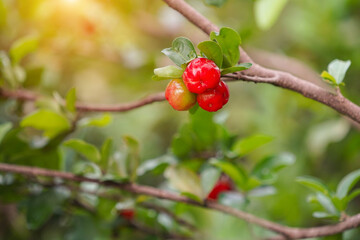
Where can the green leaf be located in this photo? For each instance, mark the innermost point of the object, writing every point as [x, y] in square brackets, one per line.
[269, 166]
[19, 73]
[347, 183]
[40, 208]
[212, 51]
[209, 176]
[155, 164]
[323, 215]
[168, 72]
[87, 150]
[22, 47]
[4, 129]
[184, 180]
[6, 70]
[246, 145]
[267, 12]
[192, 197]
[339, 236]
[50, 122]
[97, 121]
[314, 184]
[133, 157]
[106, 153]
[181, 52]
[229, 41]
[325, 75]
[71, 100]
[216, 3]
[236, 68]
[352, 195]
[338, 68]
[326, 203]
[237, 174]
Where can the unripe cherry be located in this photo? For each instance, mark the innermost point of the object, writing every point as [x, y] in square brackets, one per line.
[178, 96]
[201, 74]
[214, 99]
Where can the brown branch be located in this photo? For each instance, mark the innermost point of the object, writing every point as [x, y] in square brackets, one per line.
[286, 232]
[259, 74]
[27, 95]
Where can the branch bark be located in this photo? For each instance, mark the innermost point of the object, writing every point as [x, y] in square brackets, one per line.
[259, 74]
[284, 231]
[27, 95]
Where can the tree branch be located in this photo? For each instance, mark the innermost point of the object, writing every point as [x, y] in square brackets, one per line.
[259, 74]
[27, 95]
[284, 231]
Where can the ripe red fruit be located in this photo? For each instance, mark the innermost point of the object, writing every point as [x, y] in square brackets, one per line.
[220, 186]
[127, 214]
[200, 75]
[214, 99]
[179, 97]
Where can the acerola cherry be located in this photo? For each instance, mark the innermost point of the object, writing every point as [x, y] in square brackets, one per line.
[200, 75]
[127, 214]
[179, 97]
[220, 186]
[214, 99]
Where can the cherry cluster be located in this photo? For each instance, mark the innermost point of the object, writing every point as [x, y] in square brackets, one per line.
[200, 83]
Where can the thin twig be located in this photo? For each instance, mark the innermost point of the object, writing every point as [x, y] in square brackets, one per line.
[26, 95]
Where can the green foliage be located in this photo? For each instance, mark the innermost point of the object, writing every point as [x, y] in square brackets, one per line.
[216, 3]
[50, 122]
[336, 72]
[168, 72]
[209, 177]
[246, 145]
[185, 181]
[181, 52]
[229, 41]
[133, 157]
[266, 170]
[332, 203]
[267, 12]
[314, 184]
[106, 151]
[236, 173]
[41, 207]
[212, 51]
[97, 121]
[7, 72]
[87, 150]
[4, 129]
[236, 68]
[347, 183]
[22, 47]
[71, 100]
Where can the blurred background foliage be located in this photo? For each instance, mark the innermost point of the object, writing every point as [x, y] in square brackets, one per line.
[107, 51]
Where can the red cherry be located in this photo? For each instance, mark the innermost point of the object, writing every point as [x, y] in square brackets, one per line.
[220, 186]
[179, 97]
[200, 75]
[127, 214]
[214, 99]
